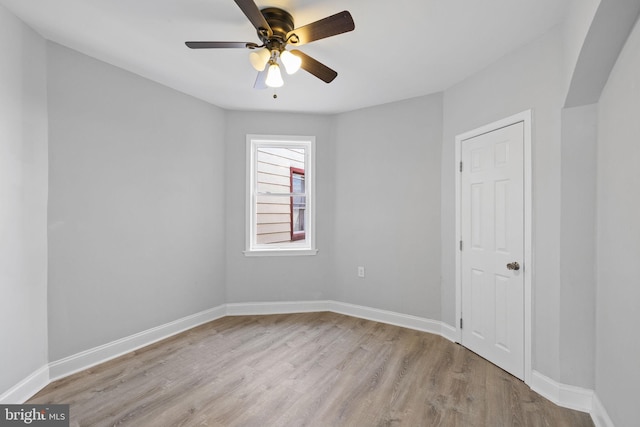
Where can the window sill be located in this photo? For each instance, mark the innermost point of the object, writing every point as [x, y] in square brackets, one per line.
[280, 252]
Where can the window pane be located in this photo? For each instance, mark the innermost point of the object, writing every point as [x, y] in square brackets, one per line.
[274, 168]
[279, 220]
[273, 216]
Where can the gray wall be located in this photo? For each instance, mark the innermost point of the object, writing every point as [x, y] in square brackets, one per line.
[23, 202]
[360, 214]
[600, 47]
[273, 278]
[387, 206]
[576, 27]
[530, 78]
[578, 246]
[618, 289]
[136, 216]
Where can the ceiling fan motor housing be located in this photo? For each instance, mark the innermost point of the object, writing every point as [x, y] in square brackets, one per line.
[281, 23]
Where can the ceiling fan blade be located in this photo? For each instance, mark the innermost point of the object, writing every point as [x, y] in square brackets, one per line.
[330, 26]
[315, 67]
[254, 15]
[261, 79]
[220, 45]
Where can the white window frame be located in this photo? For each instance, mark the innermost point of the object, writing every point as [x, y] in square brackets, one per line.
[303, 247]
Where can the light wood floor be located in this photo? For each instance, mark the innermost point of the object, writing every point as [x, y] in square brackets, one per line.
[315, 369]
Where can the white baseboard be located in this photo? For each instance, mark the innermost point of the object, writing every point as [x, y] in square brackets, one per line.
[390, 317]
[561, 394]
[599, 414]
[91, 357]
[375, 314]
[572, 397]
[449, 332]
[26, 388]
[568, 396]
[85, 359]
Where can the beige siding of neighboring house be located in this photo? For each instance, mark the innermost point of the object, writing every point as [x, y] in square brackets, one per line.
[274, 176]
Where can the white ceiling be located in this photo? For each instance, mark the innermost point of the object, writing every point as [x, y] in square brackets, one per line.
[399, 49]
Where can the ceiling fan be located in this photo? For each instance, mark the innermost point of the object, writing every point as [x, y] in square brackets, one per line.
[276, 31]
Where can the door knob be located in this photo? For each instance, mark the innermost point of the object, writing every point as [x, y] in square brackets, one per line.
[513, 266]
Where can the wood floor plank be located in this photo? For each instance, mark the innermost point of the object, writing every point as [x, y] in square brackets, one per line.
[309, 369]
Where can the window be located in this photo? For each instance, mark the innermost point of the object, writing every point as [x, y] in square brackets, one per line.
[280, 196]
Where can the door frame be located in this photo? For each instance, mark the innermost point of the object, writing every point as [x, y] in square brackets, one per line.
[526, 118]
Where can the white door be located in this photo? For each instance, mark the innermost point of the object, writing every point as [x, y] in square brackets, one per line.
[492, 255]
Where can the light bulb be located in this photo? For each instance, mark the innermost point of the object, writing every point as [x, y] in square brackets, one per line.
[274, 78]
[260, 58]
[291, 62]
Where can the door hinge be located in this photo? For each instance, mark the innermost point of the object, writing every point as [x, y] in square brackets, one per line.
[460, 244]
[461, 323]
[460, 166]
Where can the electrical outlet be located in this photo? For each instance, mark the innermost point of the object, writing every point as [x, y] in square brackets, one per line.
[360, 271]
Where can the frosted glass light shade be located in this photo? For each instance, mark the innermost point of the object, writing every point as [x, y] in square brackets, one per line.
[274, 77]
[260, 58]
[290, 61]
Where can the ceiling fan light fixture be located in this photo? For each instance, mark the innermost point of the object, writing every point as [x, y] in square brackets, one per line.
[275, 29]
[260, 58]
[274, 77]
[290, 61]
